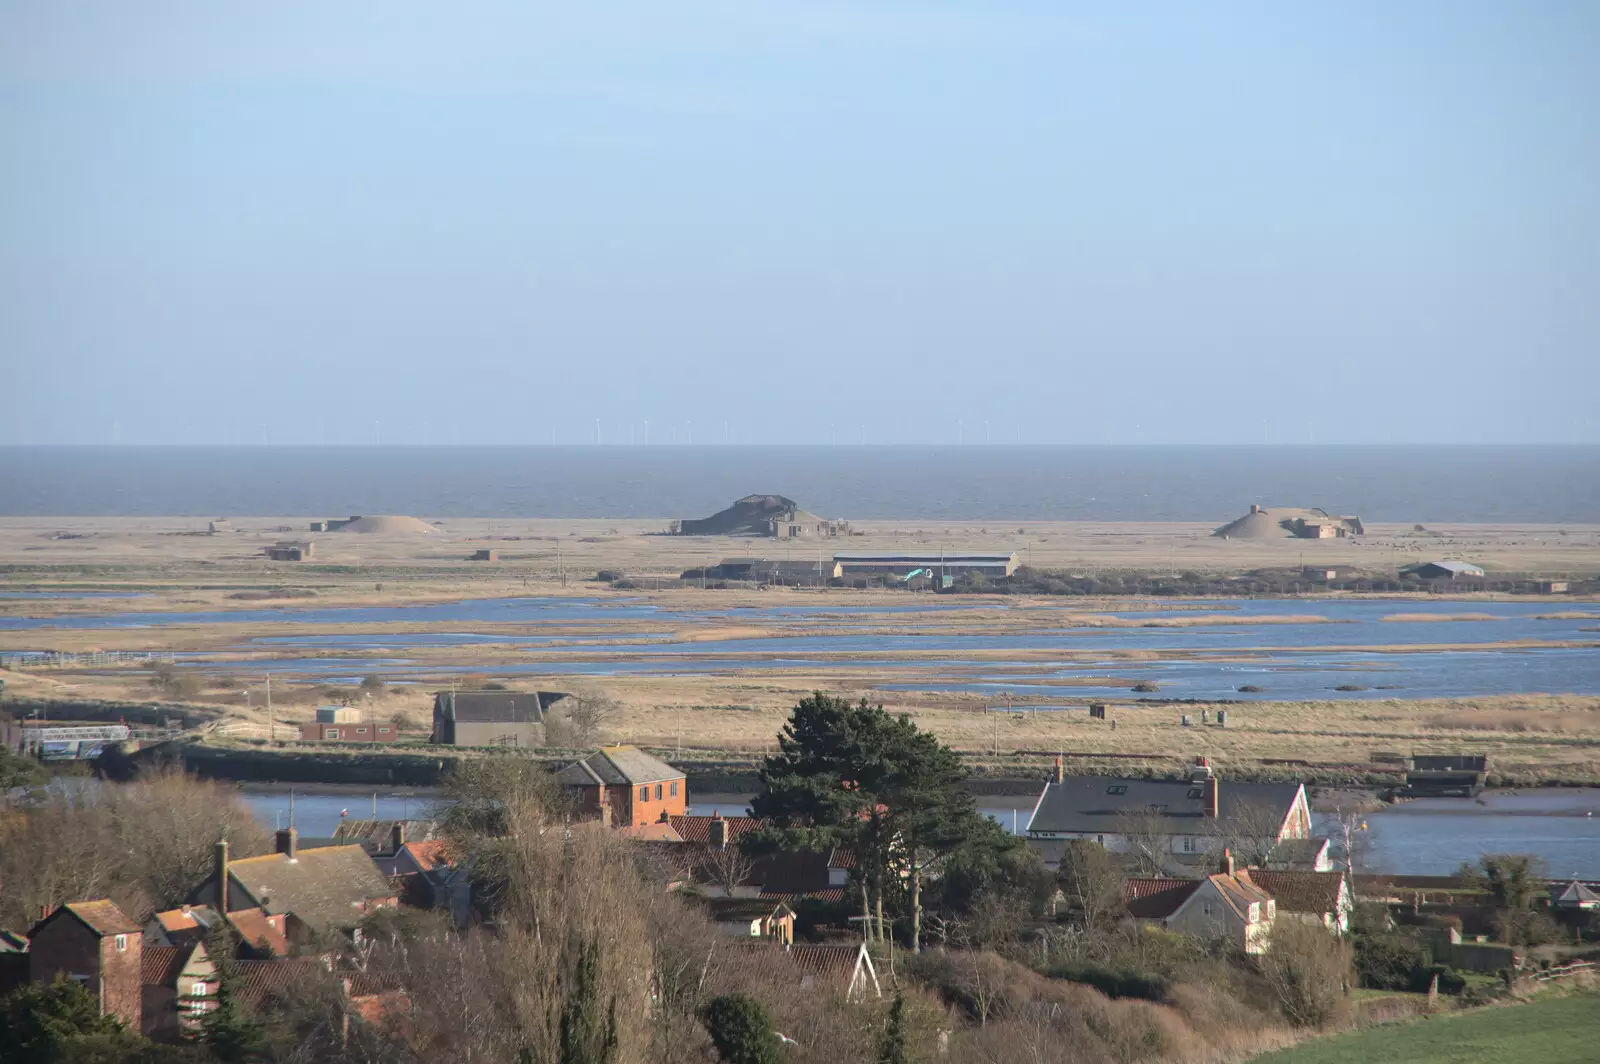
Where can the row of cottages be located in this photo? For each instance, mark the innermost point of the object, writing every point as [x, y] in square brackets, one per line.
[1192, 819]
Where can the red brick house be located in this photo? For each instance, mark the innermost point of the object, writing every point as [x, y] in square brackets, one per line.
[95, 944]
[626, 786]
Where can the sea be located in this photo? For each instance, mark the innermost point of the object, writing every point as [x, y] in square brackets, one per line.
[1535, 484]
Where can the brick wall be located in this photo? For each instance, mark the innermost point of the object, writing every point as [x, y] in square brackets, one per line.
[66, 947]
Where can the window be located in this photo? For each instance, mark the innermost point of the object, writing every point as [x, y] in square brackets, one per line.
[122, 943]
[200, 989]
[644, 794]
[1188, 844]
[658, 792]
[1117, 788]
[1101, 839]
[332, 733]
[674, 791]
[1255, 912]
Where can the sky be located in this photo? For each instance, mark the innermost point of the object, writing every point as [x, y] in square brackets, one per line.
[749, 221]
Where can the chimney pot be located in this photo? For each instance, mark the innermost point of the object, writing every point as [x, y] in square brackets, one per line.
[220, 870]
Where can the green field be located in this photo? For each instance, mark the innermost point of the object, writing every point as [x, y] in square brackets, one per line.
[1553, 1031]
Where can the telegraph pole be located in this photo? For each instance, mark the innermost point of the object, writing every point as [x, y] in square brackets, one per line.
[272, 725]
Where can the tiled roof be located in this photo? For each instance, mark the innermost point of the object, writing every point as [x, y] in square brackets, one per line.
[618, 766]
[1239, 892]
[1300, 851]
[186, 918]
[829, 964]
[324, 888]
[160, 965]
[259, 931]
[257, 981]
[698, 828]
[1156, 898]
[430, 855]
[1300, 892]
[824, 894]
[102, 917]
[1096, 804]
[658, 832]
[367, 984]
[376, 835]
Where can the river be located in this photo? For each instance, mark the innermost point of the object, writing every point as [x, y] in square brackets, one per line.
[1428, 836]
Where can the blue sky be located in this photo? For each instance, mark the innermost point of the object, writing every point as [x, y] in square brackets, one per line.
[796, 222]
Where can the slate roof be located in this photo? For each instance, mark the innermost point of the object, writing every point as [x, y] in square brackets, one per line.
[1301, 892]
[160, 965]
[1095, 804]
[495, 707]
[1577, 893]
[102, 917]
[1156, 897]
[324, 888]
[698, 828]
[618, 766]
[828, 964]
[375, 835]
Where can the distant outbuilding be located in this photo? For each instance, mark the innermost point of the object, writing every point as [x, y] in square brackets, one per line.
[1443, 571]
[763, 515]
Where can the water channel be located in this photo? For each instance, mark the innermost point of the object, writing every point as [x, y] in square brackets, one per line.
[1429, 836]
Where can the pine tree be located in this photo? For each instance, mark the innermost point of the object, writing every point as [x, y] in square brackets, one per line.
[892, 1046]
[741, 1030]
[588, 1026]
[231, 1036]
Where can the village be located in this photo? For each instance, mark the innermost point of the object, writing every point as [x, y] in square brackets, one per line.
[860, 878]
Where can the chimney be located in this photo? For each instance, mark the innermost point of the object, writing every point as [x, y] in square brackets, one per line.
[220, 869]
[718, 834]
[1061, 771]
[1211, 797]
[288, 843]
[1227, 861]
[397, 836]
[1254, 508]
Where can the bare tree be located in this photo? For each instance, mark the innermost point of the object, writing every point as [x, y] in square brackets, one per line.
[1350, 841]
[728, 867]
[1091, 885]
[1251, 834]
[1307, 969]
[585, 713]
[1148, 841]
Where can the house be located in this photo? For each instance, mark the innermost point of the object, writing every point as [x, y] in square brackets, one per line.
[1576, 895]
[320, 891]
[1317, 897]
[344, 724]
[484, 554]
[939, 564]
[261, 935]
[626, 786]
[290, 551]
[180, 985]
[1226, 904]
[1185, 818]
[95, 944]
[491, 718]
[1442, 571]
[752, 918]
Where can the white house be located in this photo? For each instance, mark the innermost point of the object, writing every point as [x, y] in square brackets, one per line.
[1226, 904]
[1317, 897]
[1188, 817]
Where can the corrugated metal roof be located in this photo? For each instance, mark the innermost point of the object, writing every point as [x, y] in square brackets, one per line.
[922, 557]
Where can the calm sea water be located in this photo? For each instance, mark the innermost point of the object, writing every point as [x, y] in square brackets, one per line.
[1537, 484]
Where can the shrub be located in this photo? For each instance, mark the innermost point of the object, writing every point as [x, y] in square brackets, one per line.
[1307, 969]
[1146, 687]
[1145, 986]
[1390, 961]
[741, 1030]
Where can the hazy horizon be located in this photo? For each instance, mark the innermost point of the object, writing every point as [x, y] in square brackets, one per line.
[908, 222]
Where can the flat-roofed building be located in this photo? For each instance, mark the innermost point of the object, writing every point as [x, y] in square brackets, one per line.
[939, 563]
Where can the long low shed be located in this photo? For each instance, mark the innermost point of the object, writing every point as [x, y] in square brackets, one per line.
[949, 563]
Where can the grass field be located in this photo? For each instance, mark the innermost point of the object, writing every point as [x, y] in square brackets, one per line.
[1564, 1030]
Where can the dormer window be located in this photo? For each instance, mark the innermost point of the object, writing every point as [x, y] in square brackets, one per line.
[1117, 788]
[1255, 912]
